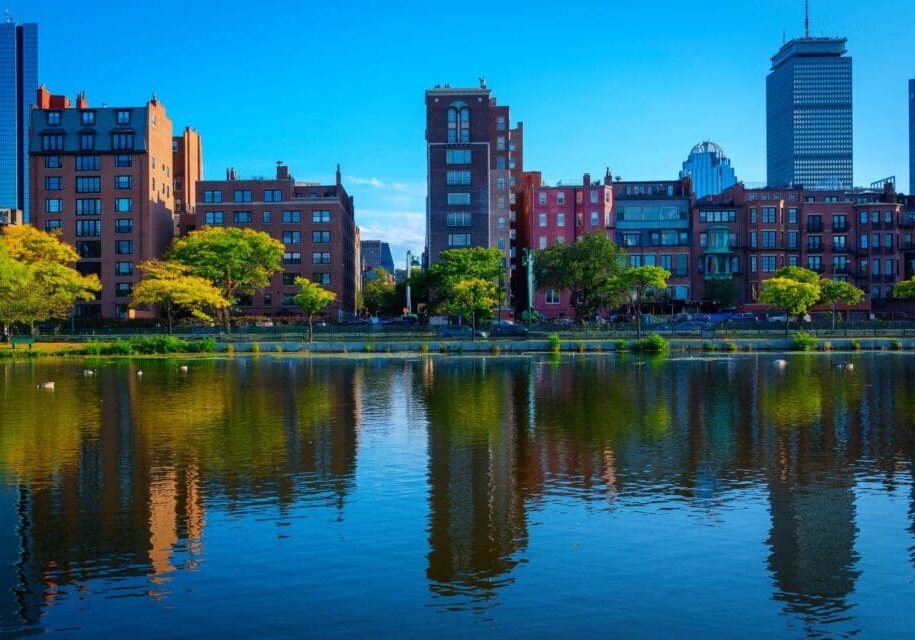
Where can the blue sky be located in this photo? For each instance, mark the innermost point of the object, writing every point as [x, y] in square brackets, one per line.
[627, 84]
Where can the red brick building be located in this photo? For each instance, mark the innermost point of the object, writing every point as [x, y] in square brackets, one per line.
[103, 176]
[315, 222]
[188, 160]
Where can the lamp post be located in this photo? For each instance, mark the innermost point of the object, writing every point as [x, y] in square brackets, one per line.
[406, 279]
[529, 262]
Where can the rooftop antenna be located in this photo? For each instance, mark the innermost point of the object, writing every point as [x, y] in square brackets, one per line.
[807, 19]
[9, 17]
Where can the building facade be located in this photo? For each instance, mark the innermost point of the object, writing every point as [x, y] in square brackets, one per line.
[315, 223]
[473, 156]
[18, 87]
[912, 137]
[809, 115]
[103, 177]
[376, 253]
[187, 152]
[709, 169]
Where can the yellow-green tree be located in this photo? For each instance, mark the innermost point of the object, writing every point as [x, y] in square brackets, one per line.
[38, 284]
[640, 282]
[312, 298]
[834, 293]
[377, 291]
[792, 296]
[237, 261]
[473, 297]
[905, 288]
[170, 286]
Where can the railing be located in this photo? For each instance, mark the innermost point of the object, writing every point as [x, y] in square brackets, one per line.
[840, 228]
[815, 249]
[814, 227]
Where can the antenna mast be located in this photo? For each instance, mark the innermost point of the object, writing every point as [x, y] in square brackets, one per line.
[807, 18]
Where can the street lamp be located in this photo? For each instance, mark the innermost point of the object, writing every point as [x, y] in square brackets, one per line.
[406, 279]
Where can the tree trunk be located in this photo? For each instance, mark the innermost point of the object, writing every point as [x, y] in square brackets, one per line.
[638, 320]
[310, 328]
[473, 326]
[787, 318]
[168, 316]
[833, 318]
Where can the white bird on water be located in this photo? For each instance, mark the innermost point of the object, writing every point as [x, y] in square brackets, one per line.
[140, 372]
[182, 368]
[45, 385]
[781, 363]
[88, 373]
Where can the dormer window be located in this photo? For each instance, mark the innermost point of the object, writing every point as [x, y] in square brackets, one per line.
[122, 116]
[53, 118]
[87, 117]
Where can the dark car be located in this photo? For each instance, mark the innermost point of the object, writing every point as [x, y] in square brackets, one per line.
[743, 318]
[460, 331]
[693, 327]
[508, 331]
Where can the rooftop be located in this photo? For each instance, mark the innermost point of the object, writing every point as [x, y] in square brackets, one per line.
[810, 48]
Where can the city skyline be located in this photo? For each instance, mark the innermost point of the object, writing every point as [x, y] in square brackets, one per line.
[370, 113]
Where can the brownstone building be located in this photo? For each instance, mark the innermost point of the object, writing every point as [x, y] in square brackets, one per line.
[187, 152]
[315, 222]
[103, 176]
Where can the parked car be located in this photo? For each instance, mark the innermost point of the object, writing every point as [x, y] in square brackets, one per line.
[743, 318]
[503, 330]
[693, 326]
[460, 331]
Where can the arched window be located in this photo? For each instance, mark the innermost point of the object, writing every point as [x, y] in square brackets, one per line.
[458, 122]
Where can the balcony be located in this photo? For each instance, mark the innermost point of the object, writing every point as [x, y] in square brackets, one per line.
[814, 227]
[817, 269]
[840, 248]
[839, 270]
[840, 228]
[817, 248]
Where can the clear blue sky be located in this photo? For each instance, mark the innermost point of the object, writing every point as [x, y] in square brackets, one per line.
[627, 84]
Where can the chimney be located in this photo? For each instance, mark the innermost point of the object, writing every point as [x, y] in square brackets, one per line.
[339, 177]
[282, 171]
[43, 98]
[608, 177]
[81, 102]
[586, 180]
[231, 174]
[889, 191]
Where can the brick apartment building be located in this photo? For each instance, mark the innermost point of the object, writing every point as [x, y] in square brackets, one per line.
[315, 222]
[103, 176]
[474, 160]
[187, 152]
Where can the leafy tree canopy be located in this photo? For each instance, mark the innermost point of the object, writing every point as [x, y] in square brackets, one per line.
[312, 298]
[171, 286]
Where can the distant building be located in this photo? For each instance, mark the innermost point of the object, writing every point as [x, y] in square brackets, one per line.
[10, 216]
[709, 169]
[18, 84]
[911, 137]
[809, 115]
[188, 159]
[376, 253]
[103, 176]
[315, 222]
[474, 160]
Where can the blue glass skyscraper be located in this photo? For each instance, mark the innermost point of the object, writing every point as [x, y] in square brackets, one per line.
[911, 137]
[709, 169]
[809, 115]
[18, 86]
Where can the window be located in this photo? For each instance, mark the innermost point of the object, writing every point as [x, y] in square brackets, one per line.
[814, 243]
[768, 239]
[560, 219]
[266, 217]
[321, 278]
[213, 217]
[753, 268]
[875, 216]
[458, 219]
[875, 265]
[88, 163]
[52, 142]
[51, 225]
[458, 239]
[320, 257]
[595, 219]
[242, 217]
[862, 241]
[768, 215]
[241, 195]
[88, 184]
[292, 257]
[753, 242]
[542, 242]
[123, 268]
[292, 217]
[289, 278]
[752, 215]
[123, 182]
[123, 289]
[320, 216]
[458, 123]
[887, 267]
[122, 141]
[123, 205]
[792, 239]
[840, 242]
[541, 197]
[551, 296]
[52, 162]
[53, 118]
[53, 205]
[88, 228]
[500, 183]
[815, 263]
[863, 217]
[839, 223]
[888, 217]
[500, 223]
[635, 261]
[500, 123]
[632, 239]
[594, 196]
[792, 261]
[212, 196]
[792, 216]
[123, 225]
[123, 247]
[122, 116]
[458, 156]
[88, 249]
[272, 195]
[123, 160]
[86, 141]
[88, 206]
[458, 198]
[888, 241]
[457, 177]
[53, 183]
[320, 237]
[875, 240]
[292, 237]
[500, 162]
[768, 264]
[500, 143]
[561, 198]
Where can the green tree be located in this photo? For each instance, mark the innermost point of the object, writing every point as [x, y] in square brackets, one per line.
[456, 265]
[640, 282]
[792, 296]
[377, 291]
[474, 297]
[312, 298]
[905, 288]
[237, 261]
[170, 286]
[798, 274]
[834, 292]
[587, 268]
[38, 283]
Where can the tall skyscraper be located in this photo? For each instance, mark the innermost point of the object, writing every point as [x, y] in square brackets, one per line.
[911, 137]
[474, 161]
[18, 85]
[709, 168]
[809, 115]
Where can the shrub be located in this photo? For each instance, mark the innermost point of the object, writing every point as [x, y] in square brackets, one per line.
[368, 347]
[157, 344]
[896, 345]
[803, 341]
[495, 349]
[826, 346]
[424, 347]
[729, 346]
[582, 347]
[204, 345]
[255, 347]
[855, 345]
[118, 348]
[708, 346]
[230, 348]
[652, 344]
[278, 349]
[555, 342]
[93, 348]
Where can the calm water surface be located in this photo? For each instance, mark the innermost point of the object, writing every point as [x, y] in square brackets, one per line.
[506, 497]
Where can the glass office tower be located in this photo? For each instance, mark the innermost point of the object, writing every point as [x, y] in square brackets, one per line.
[911, 137]
[18, 86]
[709, 168]
[809, 115]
